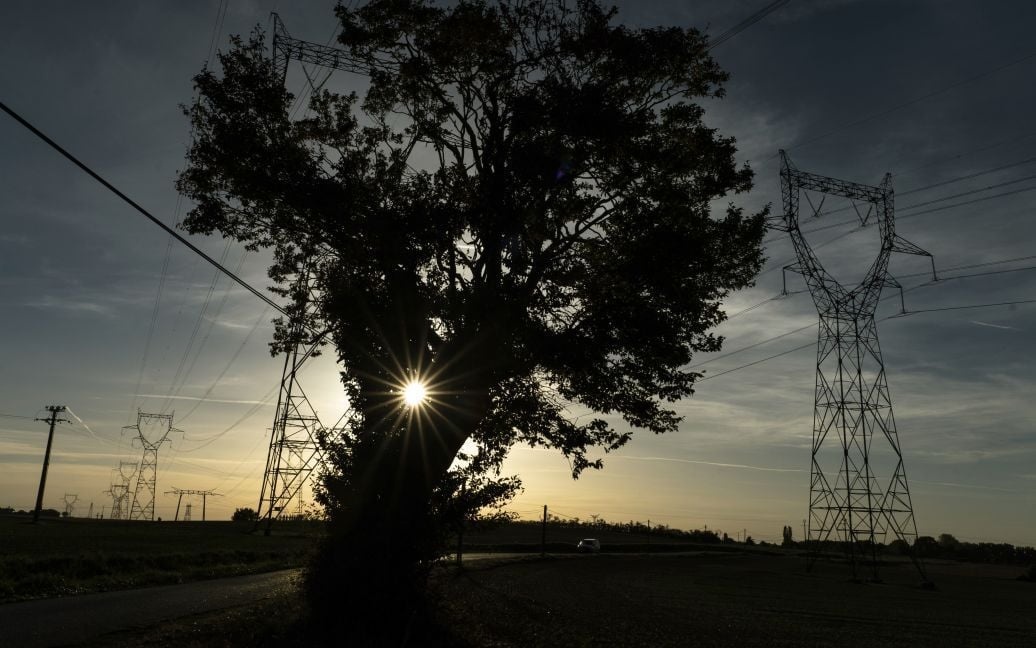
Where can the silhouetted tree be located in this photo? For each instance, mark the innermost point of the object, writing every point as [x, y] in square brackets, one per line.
[518, 213]
[948, 543]
[244, 515]
[926, 547]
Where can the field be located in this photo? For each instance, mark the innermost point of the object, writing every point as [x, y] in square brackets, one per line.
[637, 593]
[69, 556]
[701, 599]
[714, 599]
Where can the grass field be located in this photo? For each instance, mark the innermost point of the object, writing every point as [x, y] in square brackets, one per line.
[68, 556]
[704, 600]
[62, 556]
[723, 599]
[710, 595]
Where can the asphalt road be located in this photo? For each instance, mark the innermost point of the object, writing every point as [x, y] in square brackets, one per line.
[74, 619]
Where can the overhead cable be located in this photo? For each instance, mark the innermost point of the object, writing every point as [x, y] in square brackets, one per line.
[93, 174]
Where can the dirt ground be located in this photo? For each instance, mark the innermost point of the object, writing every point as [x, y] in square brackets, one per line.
[736, 600]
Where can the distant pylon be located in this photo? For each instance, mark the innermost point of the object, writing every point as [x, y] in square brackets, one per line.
[158, 428]
[180, 492]
[119, 489]
[858, 484]
[70, 503]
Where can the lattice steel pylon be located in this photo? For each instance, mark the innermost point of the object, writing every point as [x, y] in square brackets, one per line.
[119, 489]
[294, 451]
[850, 497]
[285, 48]
[70, 500]
[159, 426]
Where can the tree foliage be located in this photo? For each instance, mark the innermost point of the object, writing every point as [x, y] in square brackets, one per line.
[244, 515]
[518, 211]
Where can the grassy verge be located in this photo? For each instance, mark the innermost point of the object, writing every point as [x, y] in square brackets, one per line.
[62, 557]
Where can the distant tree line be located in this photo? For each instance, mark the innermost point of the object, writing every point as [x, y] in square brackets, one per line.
[948, 547]
[945, 547]
[7, 510]
[634, 527]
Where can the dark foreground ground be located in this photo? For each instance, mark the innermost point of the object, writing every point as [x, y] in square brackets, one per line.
[705, 599]
[63, 557]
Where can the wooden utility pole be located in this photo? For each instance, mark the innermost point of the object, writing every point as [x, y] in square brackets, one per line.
[543, 533]
[53, 420]
[463, 522]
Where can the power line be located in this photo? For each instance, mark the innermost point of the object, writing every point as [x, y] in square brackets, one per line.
[93, 174]
[217, 28]
[1014, 139]
[887, 297]
[966, 307]
[970, 176]
[896, 316]
[752, 364]
[745, 24]
[753, 346]
[31, 418]
[910, 102]
[984, 264]
[226, 368]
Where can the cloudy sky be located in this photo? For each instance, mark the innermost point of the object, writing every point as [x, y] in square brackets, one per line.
[102, 313]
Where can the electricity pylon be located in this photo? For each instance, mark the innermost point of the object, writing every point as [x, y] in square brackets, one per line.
[159, 426]
[70, 503]
[119, 489]
[858, 483]
[180, 492]
[286, 48]
[295, 450]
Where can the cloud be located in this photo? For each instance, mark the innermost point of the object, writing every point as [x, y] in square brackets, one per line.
[15, 239]
[71, 305]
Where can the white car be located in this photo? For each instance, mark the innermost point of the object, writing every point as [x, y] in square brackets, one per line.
[589, 545]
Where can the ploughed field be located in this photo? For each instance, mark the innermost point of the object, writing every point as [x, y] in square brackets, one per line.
[731, 599]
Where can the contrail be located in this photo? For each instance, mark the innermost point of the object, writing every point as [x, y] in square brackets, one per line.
[996, 326]
[710, 463]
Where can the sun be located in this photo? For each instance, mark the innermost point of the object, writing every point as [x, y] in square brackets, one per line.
[414, 393]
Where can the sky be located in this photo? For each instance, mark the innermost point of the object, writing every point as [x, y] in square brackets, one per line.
[104, 314]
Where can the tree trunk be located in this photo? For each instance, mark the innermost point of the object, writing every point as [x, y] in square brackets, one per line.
[383, 532]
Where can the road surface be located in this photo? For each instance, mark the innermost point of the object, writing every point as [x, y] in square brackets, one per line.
[75, 619]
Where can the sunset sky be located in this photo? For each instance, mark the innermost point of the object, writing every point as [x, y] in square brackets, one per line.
[940, 93]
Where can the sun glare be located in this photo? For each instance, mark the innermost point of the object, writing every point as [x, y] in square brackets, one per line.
[414, 393]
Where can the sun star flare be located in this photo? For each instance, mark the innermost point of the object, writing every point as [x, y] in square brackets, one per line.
[414, 393]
